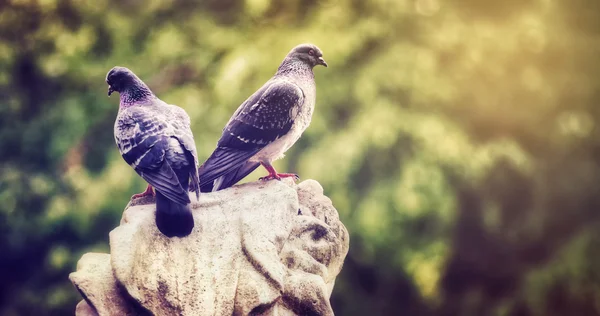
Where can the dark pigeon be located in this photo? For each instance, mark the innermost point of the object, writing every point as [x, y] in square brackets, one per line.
[267, 124]
[155, 139]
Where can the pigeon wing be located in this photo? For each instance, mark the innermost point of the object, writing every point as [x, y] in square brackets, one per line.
[143, 140]
[183, 133]
[263, 118]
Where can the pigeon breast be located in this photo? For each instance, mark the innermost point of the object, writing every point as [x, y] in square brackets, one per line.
[301, 115]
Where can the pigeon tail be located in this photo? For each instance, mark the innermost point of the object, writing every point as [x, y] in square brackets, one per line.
[173, 219]
[231, 178]
[224, 162]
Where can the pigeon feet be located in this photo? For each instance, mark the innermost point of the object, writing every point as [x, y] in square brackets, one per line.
[274, 175]
[280, 176]
[149, 191]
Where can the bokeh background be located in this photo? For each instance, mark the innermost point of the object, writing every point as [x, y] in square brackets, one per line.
[459, 140]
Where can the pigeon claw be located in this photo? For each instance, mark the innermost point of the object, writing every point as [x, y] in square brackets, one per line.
[274, 175]
[289, 175]
[270, 177]
[279, 176]
[148, 192]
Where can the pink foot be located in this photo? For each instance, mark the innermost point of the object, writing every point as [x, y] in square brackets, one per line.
[149, 191]
[274, 175]
[280, 176]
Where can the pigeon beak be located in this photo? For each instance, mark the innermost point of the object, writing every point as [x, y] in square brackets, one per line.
[110, 90]
[322, 61]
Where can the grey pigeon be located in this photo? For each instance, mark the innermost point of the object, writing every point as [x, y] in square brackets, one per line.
[267, 124]
[155, 138]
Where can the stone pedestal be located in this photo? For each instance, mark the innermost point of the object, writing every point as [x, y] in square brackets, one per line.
[262, 248]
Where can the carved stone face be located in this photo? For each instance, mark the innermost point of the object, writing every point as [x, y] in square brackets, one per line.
[259, 248]
[312, 255]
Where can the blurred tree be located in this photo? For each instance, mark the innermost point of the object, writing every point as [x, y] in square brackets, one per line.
[464, 134]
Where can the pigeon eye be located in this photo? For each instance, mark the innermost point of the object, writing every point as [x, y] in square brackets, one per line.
[311, 52]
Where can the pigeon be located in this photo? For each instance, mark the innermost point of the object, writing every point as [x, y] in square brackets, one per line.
[155, 139]
[267, 124]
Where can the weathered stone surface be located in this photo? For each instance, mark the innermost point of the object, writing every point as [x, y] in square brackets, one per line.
[262, 248]
[84, 309]
[102, 295]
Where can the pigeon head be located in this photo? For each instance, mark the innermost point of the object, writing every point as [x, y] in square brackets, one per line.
[120, 79]
[309, 54]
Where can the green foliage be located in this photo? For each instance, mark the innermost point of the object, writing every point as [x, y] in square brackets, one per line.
[458, 139]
